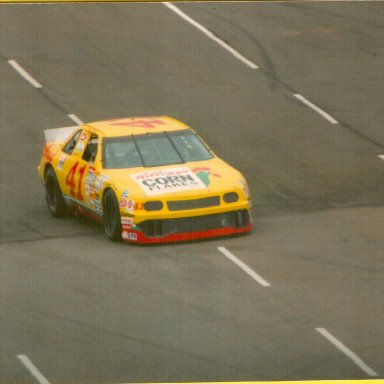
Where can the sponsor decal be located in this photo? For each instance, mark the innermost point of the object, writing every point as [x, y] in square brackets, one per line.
[124, 194]
[132, 236]
[61, 162]
[126, 214]
[129, 236]
[127, 222]
[168, 180]
[93, 185]
[91, 172]
[99, 182]
[204, 174]
[130, 206]
[83, 136]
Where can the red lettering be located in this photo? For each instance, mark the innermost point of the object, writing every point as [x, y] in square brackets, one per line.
[70, 181]
[143, 123]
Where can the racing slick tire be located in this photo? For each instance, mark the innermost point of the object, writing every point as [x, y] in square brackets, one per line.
[53, 195]
[111, 216]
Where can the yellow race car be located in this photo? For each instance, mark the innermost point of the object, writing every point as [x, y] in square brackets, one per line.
[147, 179]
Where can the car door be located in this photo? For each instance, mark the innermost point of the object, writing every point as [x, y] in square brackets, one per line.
[72, 168]
[90, 162]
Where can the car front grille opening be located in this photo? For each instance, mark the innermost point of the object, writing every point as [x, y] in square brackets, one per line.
[231, 197]
[161, 228]
[183, 205]
[155, 205]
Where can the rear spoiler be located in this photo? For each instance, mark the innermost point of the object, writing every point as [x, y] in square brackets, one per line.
[58, 135]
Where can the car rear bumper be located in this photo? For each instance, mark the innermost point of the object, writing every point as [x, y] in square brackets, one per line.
[189, 228]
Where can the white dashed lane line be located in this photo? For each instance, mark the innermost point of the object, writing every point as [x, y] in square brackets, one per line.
[338, 344]
[342, 348]
[244, 267]
[381, 157]
[316, 108]
[242, 58]
[41, 379]
[75, 119]
[22, 72]
[212, 36]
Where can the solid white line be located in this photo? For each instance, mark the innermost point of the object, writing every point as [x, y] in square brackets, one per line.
[243, 266]
[32, 369]
[381, 157]
[75, 119]
[24, 74]
[316, 108]
[338, 344]
[211, 35]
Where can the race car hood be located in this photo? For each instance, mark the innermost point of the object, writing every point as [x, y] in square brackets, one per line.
[181, 180]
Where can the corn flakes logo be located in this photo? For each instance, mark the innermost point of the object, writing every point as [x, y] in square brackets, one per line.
[205, 174]
[168, 180]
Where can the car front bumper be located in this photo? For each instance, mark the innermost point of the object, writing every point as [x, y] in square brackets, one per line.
[189, 228]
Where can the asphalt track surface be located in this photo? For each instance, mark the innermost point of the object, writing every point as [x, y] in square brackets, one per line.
[82, 309]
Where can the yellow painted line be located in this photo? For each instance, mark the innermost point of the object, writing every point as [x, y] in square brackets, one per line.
[104, 1]
[83, 1]
[88, 1]
[95, 1]
[370, 381]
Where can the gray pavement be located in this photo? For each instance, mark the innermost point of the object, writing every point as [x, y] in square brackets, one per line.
[86, 310]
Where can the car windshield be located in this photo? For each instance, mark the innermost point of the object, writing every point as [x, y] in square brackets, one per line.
[151, 150]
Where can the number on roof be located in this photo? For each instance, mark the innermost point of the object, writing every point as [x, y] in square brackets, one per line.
[140, 123]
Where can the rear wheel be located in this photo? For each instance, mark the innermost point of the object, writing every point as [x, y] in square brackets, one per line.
[111, 216]
[53, 195]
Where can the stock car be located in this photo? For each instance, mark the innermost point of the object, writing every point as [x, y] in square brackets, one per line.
[147, 179]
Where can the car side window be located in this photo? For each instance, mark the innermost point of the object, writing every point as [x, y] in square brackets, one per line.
[90, 151]
[70, 146]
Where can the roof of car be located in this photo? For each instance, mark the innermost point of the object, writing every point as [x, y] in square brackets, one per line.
[137, 125]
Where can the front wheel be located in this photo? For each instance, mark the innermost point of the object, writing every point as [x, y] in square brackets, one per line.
[53, 195]
[111, 216]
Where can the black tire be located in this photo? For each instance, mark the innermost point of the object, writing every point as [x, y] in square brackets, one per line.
[53, 195]
[111, 216]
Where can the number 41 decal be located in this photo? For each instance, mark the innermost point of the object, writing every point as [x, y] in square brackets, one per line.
[70, 181]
